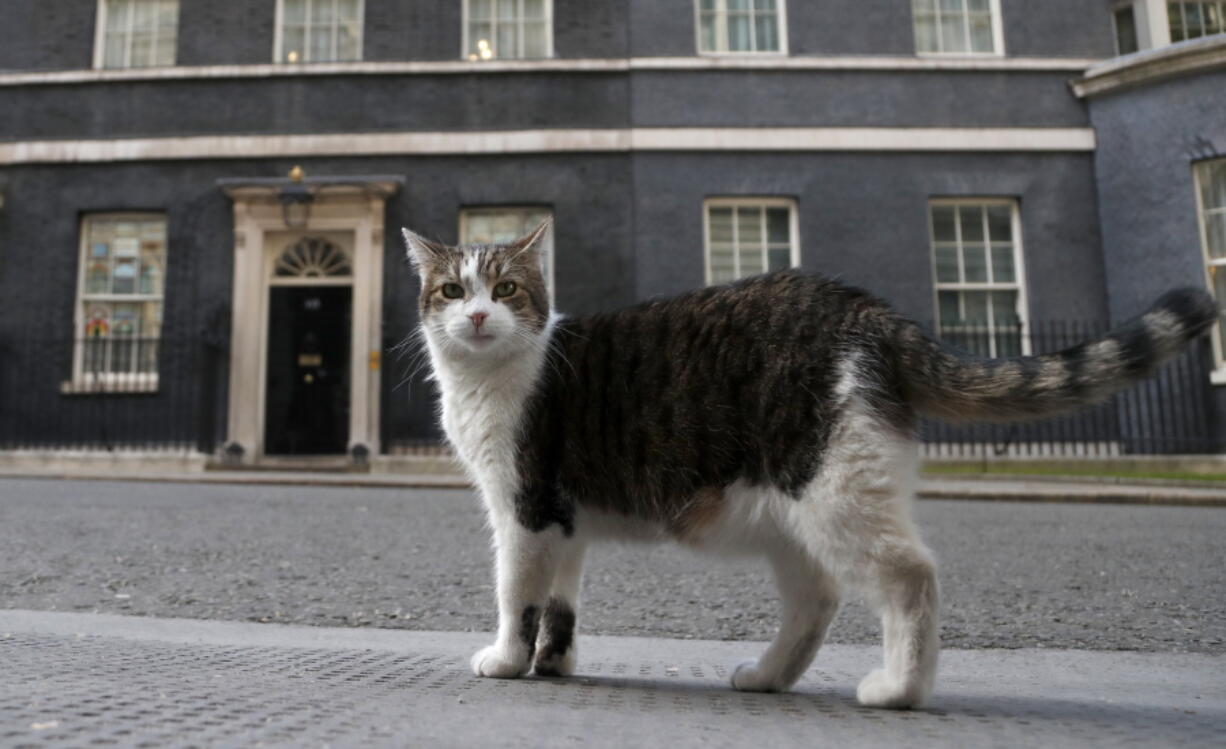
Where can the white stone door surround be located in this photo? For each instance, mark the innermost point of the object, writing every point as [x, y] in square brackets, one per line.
[353, 206]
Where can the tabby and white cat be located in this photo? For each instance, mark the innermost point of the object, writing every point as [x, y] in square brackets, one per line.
[771, 416]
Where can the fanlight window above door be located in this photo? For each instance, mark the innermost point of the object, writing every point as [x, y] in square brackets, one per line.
[313, 257]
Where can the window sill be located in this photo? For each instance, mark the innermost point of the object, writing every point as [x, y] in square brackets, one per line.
[1218, 376]
[110, 385]
[747, 53]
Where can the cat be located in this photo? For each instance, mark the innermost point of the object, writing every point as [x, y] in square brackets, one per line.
[771, 416]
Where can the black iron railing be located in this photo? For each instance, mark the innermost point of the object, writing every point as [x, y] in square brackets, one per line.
[110, 394]
[1169, 413]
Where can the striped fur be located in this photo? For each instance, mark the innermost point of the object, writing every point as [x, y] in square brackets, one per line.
[772, 416]
[943, 383]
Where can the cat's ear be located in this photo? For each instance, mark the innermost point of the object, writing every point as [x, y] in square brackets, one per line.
[422, 251]
[532, 245]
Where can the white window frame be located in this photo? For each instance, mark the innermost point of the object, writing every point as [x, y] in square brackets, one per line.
[279, 33]
[110, 382]
[519, 23]
[1218, 376]
[749, 202]
[100, 40]
[547, 244]
[1019, 285]
[998, 35]
[721, 32]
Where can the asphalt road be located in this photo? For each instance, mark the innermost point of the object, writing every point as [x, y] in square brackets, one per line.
[1013, 575]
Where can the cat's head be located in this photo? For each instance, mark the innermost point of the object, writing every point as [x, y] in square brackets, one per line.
[483, 300]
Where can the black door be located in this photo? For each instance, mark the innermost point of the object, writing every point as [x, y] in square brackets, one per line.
[308, 370]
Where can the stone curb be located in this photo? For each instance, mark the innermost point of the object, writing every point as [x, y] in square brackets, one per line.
[1046, 490]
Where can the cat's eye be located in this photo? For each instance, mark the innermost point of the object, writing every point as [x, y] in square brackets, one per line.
[506, 288]
[453, 290]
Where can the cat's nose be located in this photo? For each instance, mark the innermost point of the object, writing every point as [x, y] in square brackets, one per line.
[478, 318]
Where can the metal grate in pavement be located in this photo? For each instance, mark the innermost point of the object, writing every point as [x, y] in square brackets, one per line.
[59, 690]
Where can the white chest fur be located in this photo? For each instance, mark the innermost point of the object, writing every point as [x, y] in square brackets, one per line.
[483, 406]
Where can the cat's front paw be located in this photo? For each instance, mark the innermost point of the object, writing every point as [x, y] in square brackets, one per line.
[749, 678]
[496, 663]
[879, 689]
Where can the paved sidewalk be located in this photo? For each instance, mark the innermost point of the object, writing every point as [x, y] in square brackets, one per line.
[78, 679]
[1039, 489]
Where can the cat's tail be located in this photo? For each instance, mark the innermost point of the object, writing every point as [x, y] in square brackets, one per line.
[941, 382]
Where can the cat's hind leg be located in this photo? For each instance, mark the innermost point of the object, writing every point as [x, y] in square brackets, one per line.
[555, 644]
[810, 601]
[857, 518]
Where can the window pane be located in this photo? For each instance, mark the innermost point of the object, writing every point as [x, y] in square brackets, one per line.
[739, 33]
[767, 36]
[534, 8]
[507, 44]
[948, 308]
[168, 15]
[981, 33]
[98, 275]
[739, 5]
[720, 225]
[1002, 264]
[764, 4]
[320, 44]
[947, 263]
[1219, 290]
[975, 307]
[779, 258]
[707, 5]
[979, 6]
[480, 38]
[123, 279]
[144, 16]
[1193, 26]
[347, 43]
[1213, 184]
[943, 224]
[1215, 234]
[974, 263]
[293, 12]
[293, 44]
[506, 10]
[323, 12]
[922, 6]
[1004, 307]
[1175, 15]
[926, 33]
[114, 53]
[749, 227]
[1000, 223]
[953, 34]
[536, 39]
[347, 10]
[972, 223]
[723, 267]
[117, 15]
[951, 7]
[778, 227]
[706, 36]
[751, 260]
[164, 52]
[1125, 31]
[142, 49]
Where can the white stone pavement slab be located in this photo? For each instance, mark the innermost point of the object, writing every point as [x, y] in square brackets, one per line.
[91, 679]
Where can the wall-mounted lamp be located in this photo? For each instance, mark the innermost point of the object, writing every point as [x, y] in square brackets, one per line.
[296, 199]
